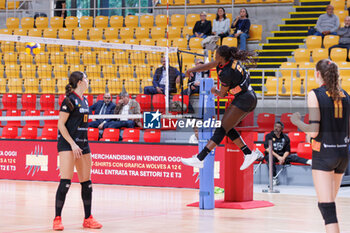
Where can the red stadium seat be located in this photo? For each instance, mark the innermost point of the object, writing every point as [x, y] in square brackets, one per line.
[145, 102]
[100, 97]
[295, 139]
[90, 99]
[306, 118]
[49, 133]
[178, 97]
[110, 135]
[28, 132]
[158, 102]
[152, 135]
[28, 101]
[304, 150]
[131, 135]
[13, 113]
[51, 123]
[32, 113]
[168, 124]
[266, 121]
[47, 102]
[9, 101]
[93, 134]
[288, 125]
[60, 99]
[9, 132]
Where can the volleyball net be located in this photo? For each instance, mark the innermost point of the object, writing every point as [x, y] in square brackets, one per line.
[110, 67]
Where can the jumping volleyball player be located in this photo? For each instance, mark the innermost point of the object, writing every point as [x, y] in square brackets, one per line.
[329, 131]
[235, 80]
[73, 148]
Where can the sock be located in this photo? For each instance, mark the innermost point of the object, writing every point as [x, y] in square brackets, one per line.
[61, 193]
[201, 156]
[86, 195]
[246, 150]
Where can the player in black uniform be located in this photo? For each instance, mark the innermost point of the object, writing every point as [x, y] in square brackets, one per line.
[73, 148]
[329, 130]
[235, 80]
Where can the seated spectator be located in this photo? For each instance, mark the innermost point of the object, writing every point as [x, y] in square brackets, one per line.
[344, 36]
[101, 107]
[221, 25]
[202, 28]
[194, 137]
[125, 106]
[159, 80]
[328, 23]
[241, 26]
[194, 82]
[281, 149]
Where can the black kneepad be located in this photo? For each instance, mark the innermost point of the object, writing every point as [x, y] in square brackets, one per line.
[233, 134]
[328, 212]
[219, 135]
[86, 186]
[64, 186]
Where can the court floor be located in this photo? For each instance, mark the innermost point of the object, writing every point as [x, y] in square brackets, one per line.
[27, 206]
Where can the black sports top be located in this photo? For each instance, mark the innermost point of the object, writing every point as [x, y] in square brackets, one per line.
[235, 76]
[334, 123]
[77, 122]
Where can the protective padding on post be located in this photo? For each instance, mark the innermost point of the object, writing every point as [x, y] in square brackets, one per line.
[206, 174]
[238, 205]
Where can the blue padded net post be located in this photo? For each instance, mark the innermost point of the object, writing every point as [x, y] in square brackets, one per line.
[206, 112]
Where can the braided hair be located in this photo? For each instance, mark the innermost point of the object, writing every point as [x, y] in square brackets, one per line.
[244, 56]
[74, 79]
[330, 75]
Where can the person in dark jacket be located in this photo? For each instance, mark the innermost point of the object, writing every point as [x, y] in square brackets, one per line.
[281, 149]
[344, 36]
[202, 28]
[241, 26]
[159, 80]
[102, 107]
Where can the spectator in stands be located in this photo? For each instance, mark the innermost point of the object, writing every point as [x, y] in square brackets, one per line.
[281, 149]
[221, 25]
[241, 26]
[328, 23]
[202, 28]
[194, 82]
[194, 137]
[159, 80]
[344, 36]
[102, 107]
[125, 106]
[60, 9]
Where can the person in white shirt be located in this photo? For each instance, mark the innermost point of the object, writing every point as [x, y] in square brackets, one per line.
[194, 137]
[221, 25]
[125, 106]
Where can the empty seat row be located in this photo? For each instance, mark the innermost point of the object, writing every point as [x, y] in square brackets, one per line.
[224, 2]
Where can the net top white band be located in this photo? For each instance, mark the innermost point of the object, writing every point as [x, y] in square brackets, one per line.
[109, 116]
[84, 43]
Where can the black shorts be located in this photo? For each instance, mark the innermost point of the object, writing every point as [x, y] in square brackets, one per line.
[62, 145]
[332, 162]
[246, 101]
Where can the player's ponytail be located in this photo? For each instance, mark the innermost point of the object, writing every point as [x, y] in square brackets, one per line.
[330, 75]
[74, 78]
[244, 56]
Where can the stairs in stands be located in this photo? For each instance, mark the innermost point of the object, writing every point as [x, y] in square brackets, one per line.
[290, 36]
